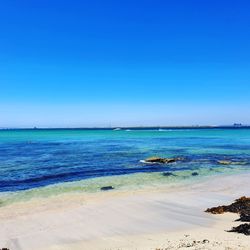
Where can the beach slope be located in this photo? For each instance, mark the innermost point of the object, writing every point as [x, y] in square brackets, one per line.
[152, 218]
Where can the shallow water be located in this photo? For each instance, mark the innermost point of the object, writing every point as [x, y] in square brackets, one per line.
[36, 158]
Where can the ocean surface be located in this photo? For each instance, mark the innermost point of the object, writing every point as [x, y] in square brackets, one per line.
[42, 162]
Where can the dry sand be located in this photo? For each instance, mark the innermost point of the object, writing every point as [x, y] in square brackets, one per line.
[158, 218]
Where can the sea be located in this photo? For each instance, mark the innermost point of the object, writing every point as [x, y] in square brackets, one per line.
[47, 162]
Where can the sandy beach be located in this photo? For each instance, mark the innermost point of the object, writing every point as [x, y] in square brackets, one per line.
[125, 125]
[152, 218]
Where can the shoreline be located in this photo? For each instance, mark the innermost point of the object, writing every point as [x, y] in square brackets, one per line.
[126, 183]
[107, 220]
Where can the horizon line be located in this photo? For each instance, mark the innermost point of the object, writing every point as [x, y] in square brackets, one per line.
[129, 127]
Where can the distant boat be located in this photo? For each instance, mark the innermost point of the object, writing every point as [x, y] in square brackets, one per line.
[116, 129]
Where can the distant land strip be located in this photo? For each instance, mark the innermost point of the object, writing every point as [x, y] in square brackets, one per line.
[135, 127]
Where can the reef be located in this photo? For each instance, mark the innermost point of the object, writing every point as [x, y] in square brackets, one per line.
[156, 159]
[227, 162]
[223, 162]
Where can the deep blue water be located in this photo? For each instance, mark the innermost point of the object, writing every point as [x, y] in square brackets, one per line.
[35, 158]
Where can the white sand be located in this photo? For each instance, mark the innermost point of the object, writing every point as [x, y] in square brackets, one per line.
[165, 218]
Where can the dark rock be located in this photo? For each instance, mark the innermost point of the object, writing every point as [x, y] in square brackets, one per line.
[216, 210]
[162, 160]
[205, 241]
[4, 248]
[242, 229]
[106, 188]
[168, 174]
[240, 205]
[195, 174]
[244, 216]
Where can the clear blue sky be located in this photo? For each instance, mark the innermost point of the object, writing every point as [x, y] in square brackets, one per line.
[100, 63]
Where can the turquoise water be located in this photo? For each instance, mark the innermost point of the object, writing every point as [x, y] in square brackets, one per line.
[85, 160]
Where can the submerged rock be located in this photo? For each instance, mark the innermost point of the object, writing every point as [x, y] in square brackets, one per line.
[168, 174]
[242, 229]
[195, 174]
[162, 160]
[106, 188]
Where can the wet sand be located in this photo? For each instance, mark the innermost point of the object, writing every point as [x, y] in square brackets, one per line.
[151, 218]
